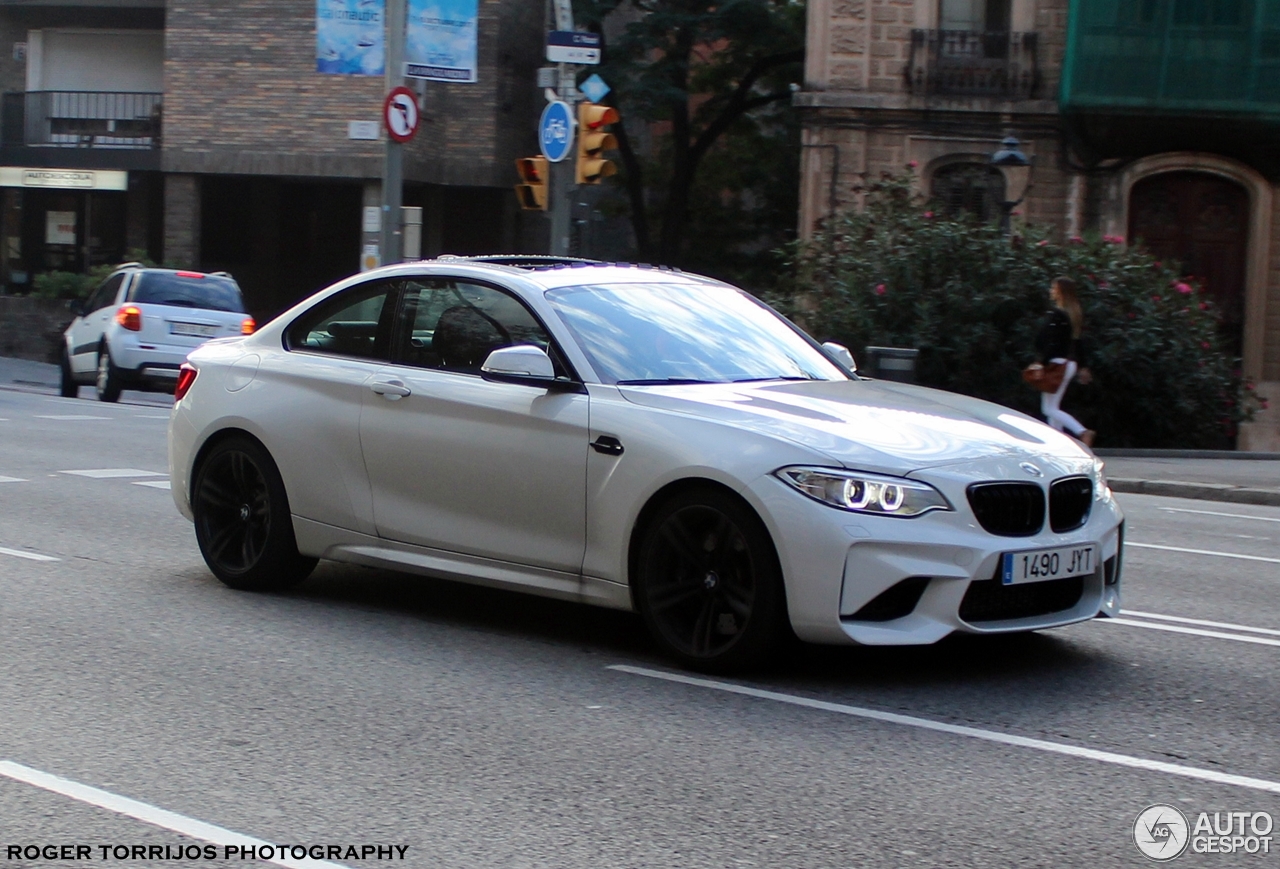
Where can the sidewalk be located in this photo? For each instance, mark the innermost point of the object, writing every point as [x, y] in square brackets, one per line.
[23, 375]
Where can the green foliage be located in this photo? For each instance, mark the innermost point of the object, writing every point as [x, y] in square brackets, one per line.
[972, 301]
[73, 285]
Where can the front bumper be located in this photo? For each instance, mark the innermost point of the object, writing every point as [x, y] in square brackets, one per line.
[857, 578]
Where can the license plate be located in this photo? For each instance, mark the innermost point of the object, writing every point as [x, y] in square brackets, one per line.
[193, 329]
[1038, 565]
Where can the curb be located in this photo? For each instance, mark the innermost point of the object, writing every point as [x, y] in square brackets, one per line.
[1199, 491]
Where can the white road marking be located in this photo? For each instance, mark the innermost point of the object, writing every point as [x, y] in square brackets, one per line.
[68, 416]
[1186, 621]
[1216, 513]
[32, 556]
[1142, 763]
[155, 484]
[106, 473]
[1129, 543]
[147, 813]
[1198, 632]
[12, 480]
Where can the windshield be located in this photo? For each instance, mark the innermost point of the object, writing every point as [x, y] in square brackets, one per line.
[641, 334]
[210, 292]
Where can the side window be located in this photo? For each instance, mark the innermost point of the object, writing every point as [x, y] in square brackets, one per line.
[356, 323]
[455, 325]
[105, 294]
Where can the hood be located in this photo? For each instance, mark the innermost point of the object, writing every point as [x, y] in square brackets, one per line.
[868, 425]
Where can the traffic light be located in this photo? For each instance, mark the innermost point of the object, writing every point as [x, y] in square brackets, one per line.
[532, 191]
[592, 139]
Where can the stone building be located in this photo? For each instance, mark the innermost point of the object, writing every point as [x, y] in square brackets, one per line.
[200, 132]
[1151, 119]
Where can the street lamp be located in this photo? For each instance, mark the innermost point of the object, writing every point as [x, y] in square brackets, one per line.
[1016, 168]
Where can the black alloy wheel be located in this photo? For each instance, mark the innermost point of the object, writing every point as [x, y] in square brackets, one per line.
[67, 386]
[242, 519]
[708, 583]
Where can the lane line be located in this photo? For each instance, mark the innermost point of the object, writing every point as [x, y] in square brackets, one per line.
[108, 473]
[1110, 757]
[33, 556]
[1216, 513]
[1203, 623]
[148, 813]
[1198, 632]
[155, 484]
[1128, 543]
[11, 479]
[69, 416]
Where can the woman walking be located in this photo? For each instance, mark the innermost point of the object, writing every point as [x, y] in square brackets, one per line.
[1060, 342]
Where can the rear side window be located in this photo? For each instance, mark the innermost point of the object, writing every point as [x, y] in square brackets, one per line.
[210, 292]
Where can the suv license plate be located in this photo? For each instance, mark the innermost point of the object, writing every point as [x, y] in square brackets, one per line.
[1038, 565]
[194, 329]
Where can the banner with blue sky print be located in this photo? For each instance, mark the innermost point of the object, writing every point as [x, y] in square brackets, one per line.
[441, 43]
[350, 37]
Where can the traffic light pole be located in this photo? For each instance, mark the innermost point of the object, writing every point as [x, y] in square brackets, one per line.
[562, 188]
[393, 158]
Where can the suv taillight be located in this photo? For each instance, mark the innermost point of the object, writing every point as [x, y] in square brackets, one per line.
[248, 326]
[186, 376]
[130, 316]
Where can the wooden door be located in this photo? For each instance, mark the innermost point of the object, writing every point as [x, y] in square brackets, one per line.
[1202, 222]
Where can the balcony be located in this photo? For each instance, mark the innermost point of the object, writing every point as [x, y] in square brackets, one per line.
[81, 119]
[999, 64]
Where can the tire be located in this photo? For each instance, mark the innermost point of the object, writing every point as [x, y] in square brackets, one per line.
[107, 384]
[242, 519]
[708, 584]
[67, 386]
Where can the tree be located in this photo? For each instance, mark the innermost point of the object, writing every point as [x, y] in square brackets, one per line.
[695, 68]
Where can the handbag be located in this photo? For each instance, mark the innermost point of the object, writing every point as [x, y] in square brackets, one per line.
[1045, 377]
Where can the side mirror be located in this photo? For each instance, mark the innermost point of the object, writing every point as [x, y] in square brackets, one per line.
[526, 365]
[841, 354]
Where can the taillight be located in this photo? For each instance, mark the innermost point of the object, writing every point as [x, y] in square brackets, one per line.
[130, 316]
[247, 326]
[196, 275]
[186, 376]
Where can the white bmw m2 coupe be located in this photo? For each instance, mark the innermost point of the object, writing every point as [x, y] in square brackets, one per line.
[635, 438]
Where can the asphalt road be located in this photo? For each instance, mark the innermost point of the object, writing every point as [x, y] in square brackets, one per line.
[485, 729]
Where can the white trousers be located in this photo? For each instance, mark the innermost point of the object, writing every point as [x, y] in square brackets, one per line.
[1050, 401]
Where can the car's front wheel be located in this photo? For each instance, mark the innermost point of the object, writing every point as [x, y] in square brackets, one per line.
[242, 519]
[108, 384]
[708, 584]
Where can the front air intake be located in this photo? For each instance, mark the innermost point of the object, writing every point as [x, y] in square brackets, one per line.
[1070, 500]
[1008, 509]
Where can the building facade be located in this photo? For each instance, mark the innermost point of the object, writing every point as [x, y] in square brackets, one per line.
[1148, 119]
[200, 132]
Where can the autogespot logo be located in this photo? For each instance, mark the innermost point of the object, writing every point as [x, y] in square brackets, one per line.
[1161, 832]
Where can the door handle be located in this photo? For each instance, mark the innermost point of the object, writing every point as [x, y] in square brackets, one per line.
[608, 445]
[394, 390]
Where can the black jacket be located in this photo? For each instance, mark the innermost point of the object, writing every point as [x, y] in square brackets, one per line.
[1054, 340]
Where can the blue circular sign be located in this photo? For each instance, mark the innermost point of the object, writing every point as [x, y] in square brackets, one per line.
[555, 131]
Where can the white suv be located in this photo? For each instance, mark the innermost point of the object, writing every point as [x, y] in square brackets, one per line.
[140, 324]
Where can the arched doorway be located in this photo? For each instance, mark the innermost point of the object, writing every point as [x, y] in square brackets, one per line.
[1201, 221]
[972, 188]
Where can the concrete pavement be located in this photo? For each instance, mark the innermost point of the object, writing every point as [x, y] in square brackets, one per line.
[1244, 478]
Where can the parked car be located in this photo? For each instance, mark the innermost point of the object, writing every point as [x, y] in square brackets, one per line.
[635, 438]
[137, 327]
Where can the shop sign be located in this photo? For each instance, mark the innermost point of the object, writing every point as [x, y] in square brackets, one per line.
[60, 227]
[64, 179]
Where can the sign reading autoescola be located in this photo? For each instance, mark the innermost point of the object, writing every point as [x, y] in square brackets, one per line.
[440, 44]
[350, 37]
[555, 131]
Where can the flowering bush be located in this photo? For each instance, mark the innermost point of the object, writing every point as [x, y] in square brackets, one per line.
[971, 300]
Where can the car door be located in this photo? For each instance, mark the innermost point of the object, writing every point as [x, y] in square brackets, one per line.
[459, 463]
[88, 328]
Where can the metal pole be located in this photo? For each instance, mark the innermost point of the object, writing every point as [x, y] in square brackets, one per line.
[393, 160]
[562, 184]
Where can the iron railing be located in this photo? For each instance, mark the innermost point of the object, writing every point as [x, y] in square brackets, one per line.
[973, 63]
[81, 119]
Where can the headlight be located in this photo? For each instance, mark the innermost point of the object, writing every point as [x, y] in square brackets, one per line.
[865, 493]
[1101, 489]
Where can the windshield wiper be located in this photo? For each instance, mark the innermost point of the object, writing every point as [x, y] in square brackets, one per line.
[664, 381]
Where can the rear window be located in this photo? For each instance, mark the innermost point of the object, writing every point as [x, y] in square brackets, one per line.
[210, 292]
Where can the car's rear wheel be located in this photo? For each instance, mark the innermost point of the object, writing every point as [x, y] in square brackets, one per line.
[242, 519]
[67, 386]
[708, 584]
[108, 384]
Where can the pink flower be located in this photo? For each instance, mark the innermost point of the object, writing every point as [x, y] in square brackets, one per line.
[913, 164]
[1205, 345]
[1075, 239]
[1204, 306]
[1113, 239]
[1249, 387]
[928, 215]
[1103, 285]
[1156, 299]
[1263, 403]
[1017, 213]
[1182, 287]
[1042, 242]
[1132, 315]
[1156, 264]
[880, 289]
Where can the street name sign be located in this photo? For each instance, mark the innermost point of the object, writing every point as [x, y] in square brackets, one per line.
[572, 46]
